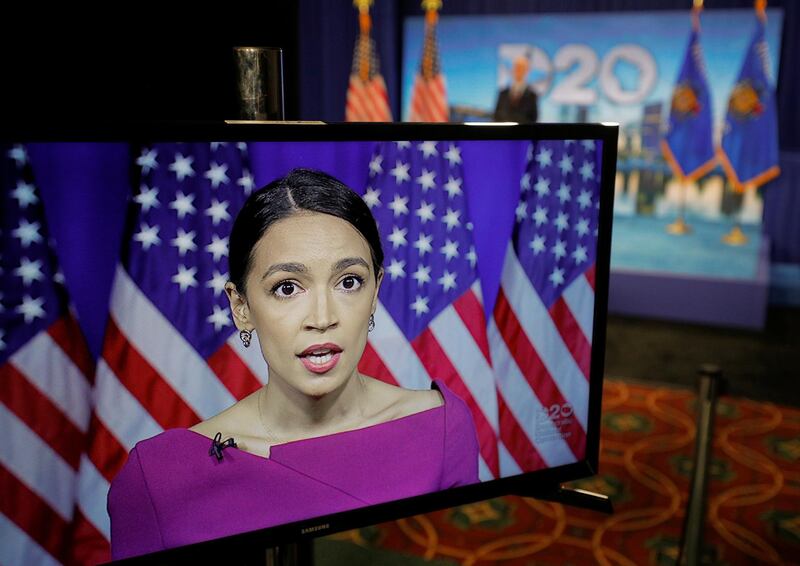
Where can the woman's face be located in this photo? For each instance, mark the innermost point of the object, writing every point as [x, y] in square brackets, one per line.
[310, 294]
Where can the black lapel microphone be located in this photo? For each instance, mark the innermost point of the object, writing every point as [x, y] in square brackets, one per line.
[218, 445]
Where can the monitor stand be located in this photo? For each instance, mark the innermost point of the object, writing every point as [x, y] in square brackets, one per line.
[571, 496]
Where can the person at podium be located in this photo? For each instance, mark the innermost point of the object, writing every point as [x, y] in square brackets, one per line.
[320, 437]
[518, 102]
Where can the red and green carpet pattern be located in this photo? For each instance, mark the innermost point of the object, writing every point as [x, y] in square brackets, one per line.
[753, 512]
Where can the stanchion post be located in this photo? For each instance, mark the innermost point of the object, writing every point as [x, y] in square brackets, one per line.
[691, 547]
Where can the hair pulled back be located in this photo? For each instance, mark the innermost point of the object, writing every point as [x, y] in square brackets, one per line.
[300, 190]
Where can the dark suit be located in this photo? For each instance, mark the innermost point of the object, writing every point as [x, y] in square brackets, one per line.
[523, 109]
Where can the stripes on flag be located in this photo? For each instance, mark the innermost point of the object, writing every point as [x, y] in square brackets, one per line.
[541, 330]
[170, 355]
[429, 94]
[45, 379]
[430, 322]
[367, 98]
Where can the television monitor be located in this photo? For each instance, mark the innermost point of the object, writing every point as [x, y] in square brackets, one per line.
[496, 242]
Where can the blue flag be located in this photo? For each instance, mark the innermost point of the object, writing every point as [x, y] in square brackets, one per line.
[688, 146]
[749, 151]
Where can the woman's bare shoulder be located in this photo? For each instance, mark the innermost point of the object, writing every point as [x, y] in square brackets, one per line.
[233, 421]
[402, 402]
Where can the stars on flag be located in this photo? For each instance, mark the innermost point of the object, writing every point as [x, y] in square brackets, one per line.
[399, 205]
[422, 275]
[451, 219]
[183, 204]
[587, 170]
[31, 308]
[147, 160]
[19, 154]
[453, 187]
[376, 165]
[525, 183]
[29, 271]
[425, 229]
[372, 197]
[544, 158]
[423, 244]
[220, 318]
[564, 193]
[218, 247]
[428, 149]
[565, 164]
[400, 172]
[453, 155]
[247, 182]
[427, 180]
[25, 194]
[184, 241]
[218, 211]
[561, 222]
[217, 174]
[147, 198]
[182, 166]
[420, 305]
[449, 250]
[185, 277]
[585, 199]
[147, 236]
[542, 187]
[553, 240]
[537, 245]
[447, 281]
[425, 212]
[27, 232]
[217, 282]
[540, 216]
[397, 268]
[398, 237]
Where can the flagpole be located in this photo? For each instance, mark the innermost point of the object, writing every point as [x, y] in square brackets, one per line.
[680, 227]
[736, 236]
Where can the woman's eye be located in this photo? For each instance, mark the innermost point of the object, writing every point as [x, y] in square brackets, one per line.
[351, 283]
[285, 289]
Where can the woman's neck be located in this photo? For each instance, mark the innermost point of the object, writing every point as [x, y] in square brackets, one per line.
[288, 414]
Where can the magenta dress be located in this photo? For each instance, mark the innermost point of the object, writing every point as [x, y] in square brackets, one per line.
[171, 492]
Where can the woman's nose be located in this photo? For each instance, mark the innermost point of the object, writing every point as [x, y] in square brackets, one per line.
[323, 314]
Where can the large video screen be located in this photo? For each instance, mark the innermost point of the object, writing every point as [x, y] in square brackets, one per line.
[434, 337]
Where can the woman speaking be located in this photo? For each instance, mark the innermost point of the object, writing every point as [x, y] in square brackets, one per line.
[320, 437]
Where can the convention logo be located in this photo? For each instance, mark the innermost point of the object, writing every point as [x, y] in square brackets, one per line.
[745, 102]
[685, 101]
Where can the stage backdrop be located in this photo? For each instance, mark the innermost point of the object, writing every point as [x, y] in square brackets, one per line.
[619, 67]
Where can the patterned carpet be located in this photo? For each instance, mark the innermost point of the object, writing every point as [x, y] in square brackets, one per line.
[645, 464]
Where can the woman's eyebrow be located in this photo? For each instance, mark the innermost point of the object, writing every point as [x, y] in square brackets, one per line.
[290, 267]
[348, 262]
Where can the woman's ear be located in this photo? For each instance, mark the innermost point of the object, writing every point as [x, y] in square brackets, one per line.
[378, 282]
[239, 307]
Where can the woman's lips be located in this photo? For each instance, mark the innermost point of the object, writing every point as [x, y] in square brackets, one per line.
[320, 358]
[320, 364]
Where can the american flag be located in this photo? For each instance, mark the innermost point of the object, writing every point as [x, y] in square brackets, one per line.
[430, 322]
[45, 372]
[429, 95]
[170, 357]
[367, 99]
[541, 331]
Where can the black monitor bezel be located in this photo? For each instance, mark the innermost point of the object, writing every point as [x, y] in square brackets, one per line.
[538, 483]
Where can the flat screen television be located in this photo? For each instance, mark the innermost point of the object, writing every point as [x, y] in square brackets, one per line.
[496, 241]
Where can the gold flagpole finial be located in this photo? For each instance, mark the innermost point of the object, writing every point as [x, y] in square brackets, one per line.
[362, 5]
[431, 5]
[697, 4]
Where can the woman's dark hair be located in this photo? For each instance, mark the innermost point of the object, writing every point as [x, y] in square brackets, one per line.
[300, 190]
